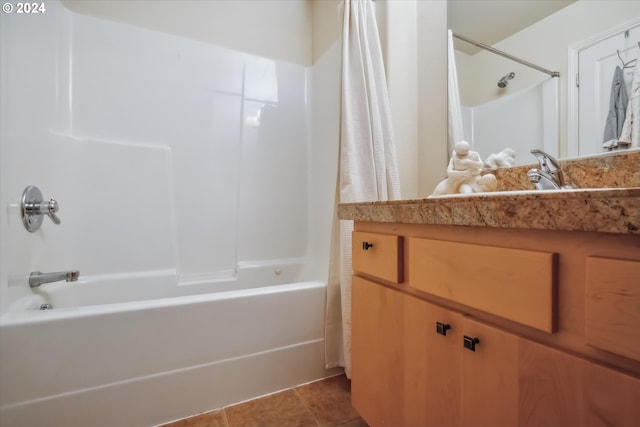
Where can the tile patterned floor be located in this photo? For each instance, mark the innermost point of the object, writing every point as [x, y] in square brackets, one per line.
[325, 403]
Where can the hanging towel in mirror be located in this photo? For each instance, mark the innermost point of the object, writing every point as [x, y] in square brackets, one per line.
[617, 110]
[630, 134]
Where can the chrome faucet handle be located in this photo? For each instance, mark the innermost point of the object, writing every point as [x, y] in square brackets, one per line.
[34, 208]
[51, 208]
[547, 162]
[550, 165]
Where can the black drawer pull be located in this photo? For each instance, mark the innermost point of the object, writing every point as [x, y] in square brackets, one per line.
[442, 328]
[366, 246]
[470, 343]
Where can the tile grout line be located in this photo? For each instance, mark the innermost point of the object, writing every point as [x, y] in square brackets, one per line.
[304, 401]
[226, 418]
[307, 407]
[298, 395]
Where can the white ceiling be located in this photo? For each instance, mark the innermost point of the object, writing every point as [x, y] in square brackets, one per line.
[489, 21]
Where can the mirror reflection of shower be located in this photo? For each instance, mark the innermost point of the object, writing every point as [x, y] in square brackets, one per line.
[504, 81]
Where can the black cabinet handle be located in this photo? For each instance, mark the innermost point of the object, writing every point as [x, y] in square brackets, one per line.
[470, 342]
[442, 328]
[366, 246]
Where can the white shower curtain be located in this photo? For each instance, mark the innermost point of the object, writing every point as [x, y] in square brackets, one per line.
[368, 168]
[456, 128]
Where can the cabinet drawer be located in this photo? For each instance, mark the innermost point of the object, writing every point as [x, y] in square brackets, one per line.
[378, 255]
[612, 306]
[519, 285]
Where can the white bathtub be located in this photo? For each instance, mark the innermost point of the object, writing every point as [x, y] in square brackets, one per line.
[151, 361]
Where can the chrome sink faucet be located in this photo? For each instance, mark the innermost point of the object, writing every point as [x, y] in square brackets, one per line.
[37, 278]
[549, 175]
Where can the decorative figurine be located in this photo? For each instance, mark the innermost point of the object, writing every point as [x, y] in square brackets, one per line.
[505, 158]
[463, 173]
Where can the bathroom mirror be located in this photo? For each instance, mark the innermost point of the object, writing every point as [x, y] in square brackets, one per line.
[509, 105]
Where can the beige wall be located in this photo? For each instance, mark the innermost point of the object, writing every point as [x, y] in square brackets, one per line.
[326, 26]
[276, 29]
[432, 94]
[398, 33]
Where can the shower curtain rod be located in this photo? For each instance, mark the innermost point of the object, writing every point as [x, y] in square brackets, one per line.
[506, 55]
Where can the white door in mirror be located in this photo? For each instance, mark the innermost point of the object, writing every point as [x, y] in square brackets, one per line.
[597, 65]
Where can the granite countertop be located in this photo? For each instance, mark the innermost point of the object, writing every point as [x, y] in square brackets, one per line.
[608, 210]
[606, 199]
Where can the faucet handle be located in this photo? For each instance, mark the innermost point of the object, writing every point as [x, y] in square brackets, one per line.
[51, 210]
[547, 162]
[34, 208]
[550, 166]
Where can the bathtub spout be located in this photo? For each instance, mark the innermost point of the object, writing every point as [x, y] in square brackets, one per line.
[37, 278]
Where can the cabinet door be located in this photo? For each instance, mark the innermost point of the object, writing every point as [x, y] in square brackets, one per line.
[551, 384]
[432, 365]
[612, 318]
[610, 397]
[558, 389]
[376, 353]
[489, 377]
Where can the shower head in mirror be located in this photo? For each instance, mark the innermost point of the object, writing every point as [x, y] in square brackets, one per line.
[504, 81]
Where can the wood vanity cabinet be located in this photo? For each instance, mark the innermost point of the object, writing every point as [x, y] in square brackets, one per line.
[410, 366]
[377, 352]
[489, 377]
[423, 354]
[559, 389]
[613, 305]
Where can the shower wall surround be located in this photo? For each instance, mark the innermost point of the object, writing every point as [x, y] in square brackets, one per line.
[528, 119]
[165, 154]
